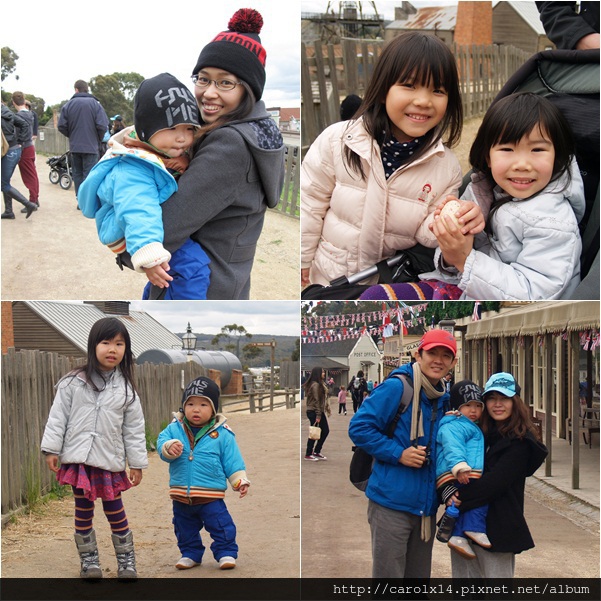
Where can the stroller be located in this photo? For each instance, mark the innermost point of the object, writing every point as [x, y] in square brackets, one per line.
[60, 170]
[570, 79]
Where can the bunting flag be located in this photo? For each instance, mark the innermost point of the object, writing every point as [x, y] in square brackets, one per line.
[477, 313]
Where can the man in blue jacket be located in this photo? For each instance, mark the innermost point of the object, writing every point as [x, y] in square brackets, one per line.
[84, 122]
[402, 486]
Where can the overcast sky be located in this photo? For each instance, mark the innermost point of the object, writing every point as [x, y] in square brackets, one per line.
[275, 318]
[61, 42]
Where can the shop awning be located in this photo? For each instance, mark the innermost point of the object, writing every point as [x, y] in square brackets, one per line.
[538, 318]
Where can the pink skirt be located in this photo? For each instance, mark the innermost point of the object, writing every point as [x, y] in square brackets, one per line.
[96, 483]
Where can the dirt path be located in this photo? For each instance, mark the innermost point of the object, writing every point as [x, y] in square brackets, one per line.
[56, 255]
[267, 519]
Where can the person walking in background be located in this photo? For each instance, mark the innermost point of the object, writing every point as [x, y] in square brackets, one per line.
[118, 124]
[34, 133]
[342, 400]
[95, 428]
[27, 168]
[316, 393]
[513, 452]
[84, 122]
[203, 457]
[16, 131]
[358, 386]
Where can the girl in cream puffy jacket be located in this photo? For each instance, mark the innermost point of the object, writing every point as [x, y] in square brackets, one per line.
[370, 186]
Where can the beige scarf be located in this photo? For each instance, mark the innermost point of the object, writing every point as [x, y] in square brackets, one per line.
[417, 425]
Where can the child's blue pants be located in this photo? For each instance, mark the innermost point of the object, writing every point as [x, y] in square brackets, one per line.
[188, 521]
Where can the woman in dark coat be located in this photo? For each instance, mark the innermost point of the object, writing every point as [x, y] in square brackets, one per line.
[513, 453]
[316, 393]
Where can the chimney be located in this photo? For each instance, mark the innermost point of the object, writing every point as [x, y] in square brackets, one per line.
[474, 23]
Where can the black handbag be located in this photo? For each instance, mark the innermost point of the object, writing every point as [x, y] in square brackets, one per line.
[405, 266]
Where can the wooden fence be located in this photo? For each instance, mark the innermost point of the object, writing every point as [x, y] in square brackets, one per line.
[331, 72]
[28, 380]
[51, 142]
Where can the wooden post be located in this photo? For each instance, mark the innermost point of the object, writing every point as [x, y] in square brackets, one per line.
[548, 404]
[251, 401]
[574, 406]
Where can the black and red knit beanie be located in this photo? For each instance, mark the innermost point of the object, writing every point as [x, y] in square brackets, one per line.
[238, 50]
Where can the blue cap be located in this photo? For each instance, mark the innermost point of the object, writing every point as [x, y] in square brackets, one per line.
[501, 382]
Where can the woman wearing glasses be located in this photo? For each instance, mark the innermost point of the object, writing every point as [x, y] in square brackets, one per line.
[237, 168]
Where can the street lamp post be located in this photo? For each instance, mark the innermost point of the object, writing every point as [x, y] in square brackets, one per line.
[189, 341]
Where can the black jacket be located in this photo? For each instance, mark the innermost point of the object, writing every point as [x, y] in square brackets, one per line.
[15, 129]
[84, 122]
[507, 464]
[564, 26]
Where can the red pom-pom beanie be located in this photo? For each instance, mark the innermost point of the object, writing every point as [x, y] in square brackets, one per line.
[238, 50]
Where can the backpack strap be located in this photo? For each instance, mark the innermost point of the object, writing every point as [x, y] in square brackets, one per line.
[406, 398]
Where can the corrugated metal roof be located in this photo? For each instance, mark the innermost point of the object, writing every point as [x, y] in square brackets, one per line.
[431, 17]
[528, 12]
[74, 320]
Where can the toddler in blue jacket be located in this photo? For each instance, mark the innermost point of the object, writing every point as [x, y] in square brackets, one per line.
[125, 190]
[460, 457]
[203, 456]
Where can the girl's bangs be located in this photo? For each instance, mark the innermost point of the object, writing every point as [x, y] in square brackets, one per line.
[426, 68]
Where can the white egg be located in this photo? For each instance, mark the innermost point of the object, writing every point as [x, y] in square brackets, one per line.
[450, 209]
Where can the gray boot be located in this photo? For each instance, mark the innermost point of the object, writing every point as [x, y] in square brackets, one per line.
[126, 558]
[88, 555]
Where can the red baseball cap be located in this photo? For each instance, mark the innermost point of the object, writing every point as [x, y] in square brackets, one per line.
[434, 338]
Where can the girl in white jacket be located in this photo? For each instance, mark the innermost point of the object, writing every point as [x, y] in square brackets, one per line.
[370, 186]
[530, 190]
[95, 425]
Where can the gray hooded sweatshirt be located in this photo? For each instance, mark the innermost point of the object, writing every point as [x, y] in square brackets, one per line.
[223, 196]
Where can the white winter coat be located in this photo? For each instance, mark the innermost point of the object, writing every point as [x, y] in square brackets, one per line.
[99, 429]
[534, 252]
[348, 224]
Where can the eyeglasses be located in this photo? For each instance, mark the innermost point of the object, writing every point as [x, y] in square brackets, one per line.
[225, 85]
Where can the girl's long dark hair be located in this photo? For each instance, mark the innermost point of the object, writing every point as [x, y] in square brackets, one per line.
[517, 425]
[314, 377]
[511, 118]
[426, 60]
[106, 329]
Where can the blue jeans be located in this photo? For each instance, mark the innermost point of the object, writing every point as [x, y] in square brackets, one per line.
[188, 521]
[9, 164]
[81, 165]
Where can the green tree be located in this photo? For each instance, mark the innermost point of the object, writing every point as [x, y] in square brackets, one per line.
[296, 352]
[9, 62]
[229, 332]
[116, 92]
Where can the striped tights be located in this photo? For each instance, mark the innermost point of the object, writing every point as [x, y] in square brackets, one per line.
[84, 514]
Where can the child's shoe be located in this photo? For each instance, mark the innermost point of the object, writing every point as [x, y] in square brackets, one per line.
[227, 563]
[311, 458]
[126, 557]
[479, 538]
[88, 556]
[319, 457]
[461, 546]
[185, 563]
